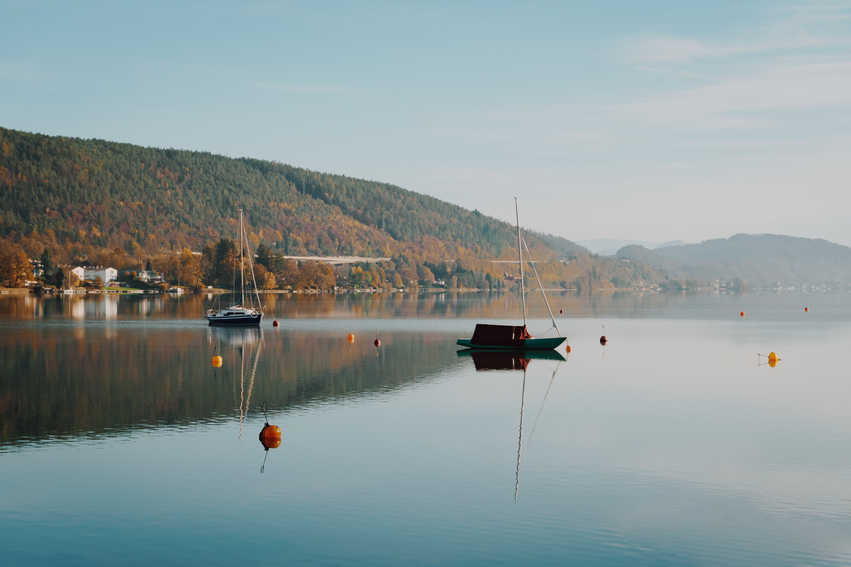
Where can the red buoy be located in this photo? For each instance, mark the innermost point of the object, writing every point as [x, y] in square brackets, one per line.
[741, 313]
[806, 309]
[603, 340]
[567, 348]
[270, 436]
[377, 342]
[275, 323]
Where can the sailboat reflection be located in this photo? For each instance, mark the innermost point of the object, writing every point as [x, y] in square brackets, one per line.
[248, 342]
[507, 359]
[235, 336]
[515, 360]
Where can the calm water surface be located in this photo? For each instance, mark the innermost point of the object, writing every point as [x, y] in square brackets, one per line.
[672, 445]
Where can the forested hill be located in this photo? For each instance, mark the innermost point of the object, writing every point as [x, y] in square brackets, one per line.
[757, 259]
[83, 194]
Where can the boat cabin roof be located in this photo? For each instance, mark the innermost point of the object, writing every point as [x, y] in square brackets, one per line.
[499, 334]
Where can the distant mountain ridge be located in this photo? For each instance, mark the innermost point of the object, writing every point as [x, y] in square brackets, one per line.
[758, 259]
[610, 246]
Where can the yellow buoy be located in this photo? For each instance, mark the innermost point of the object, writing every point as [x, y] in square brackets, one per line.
[217, 361]
[772, 358]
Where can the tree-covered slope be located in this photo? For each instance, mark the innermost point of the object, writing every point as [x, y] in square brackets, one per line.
[108, 202]
[91, 193]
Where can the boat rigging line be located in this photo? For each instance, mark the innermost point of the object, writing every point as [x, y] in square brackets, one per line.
[540, 285]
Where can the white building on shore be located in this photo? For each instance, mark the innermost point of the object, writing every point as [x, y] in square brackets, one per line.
[92, 273]
[149, 276]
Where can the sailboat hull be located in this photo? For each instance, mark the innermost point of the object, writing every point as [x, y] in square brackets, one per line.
[548, 343]
[235, 321]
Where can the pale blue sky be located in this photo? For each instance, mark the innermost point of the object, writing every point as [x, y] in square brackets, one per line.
[645, 120]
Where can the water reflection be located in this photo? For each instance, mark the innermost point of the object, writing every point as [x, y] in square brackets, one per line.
[520, 436]
[489, 360]
[66, 381]
[443, 305]
[658, 455]
[234, 336]
[506, 359]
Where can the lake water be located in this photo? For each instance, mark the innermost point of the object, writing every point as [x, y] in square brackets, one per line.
[674, 444]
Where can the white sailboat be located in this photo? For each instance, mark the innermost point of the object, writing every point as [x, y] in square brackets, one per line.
[241, 314]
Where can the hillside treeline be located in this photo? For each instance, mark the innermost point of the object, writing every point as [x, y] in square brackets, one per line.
[119, 204]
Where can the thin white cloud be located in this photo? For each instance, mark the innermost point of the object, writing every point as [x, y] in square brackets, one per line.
[668, 49]
[820, 11]
[731, 102]
[807, 26]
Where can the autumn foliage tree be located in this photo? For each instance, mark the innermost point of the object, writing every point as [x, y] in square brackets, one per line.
[15, 267]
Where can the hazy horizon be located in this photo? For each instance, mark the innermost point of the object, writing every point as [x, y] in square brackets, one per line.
[657, 122]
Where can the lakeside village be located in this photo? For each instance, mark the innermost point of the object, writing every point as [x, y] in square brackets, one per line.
[216, 269]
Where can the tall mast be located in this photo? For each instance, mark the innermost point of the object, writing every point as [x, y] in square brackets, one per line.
[250, 256]
[520, 261]
[241, 267]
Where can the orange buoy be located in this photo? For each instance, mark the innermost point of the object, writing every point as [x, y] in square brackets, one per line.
[603, 340]
[772, 357]
[567, 348]
[217, 361]
[741, 313]
[377, 342]
[275, 323]
[270, 436]
[350, 337]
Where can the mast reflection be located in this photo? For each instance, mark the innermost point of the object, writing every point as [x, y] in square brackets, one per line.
[485, 360]
[248, 341]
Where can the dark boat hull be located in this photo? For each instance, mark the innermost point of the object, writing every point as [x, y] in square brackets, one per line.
[548, 343]
[246, 321]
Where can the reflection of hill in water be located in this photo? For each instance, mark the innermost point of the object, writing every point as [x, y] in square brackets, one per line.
[450, 305]
[72, 381]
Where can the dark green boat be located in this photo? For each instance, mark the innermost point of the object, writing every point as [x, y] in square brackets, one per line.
[507, 337]
[515, 337]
